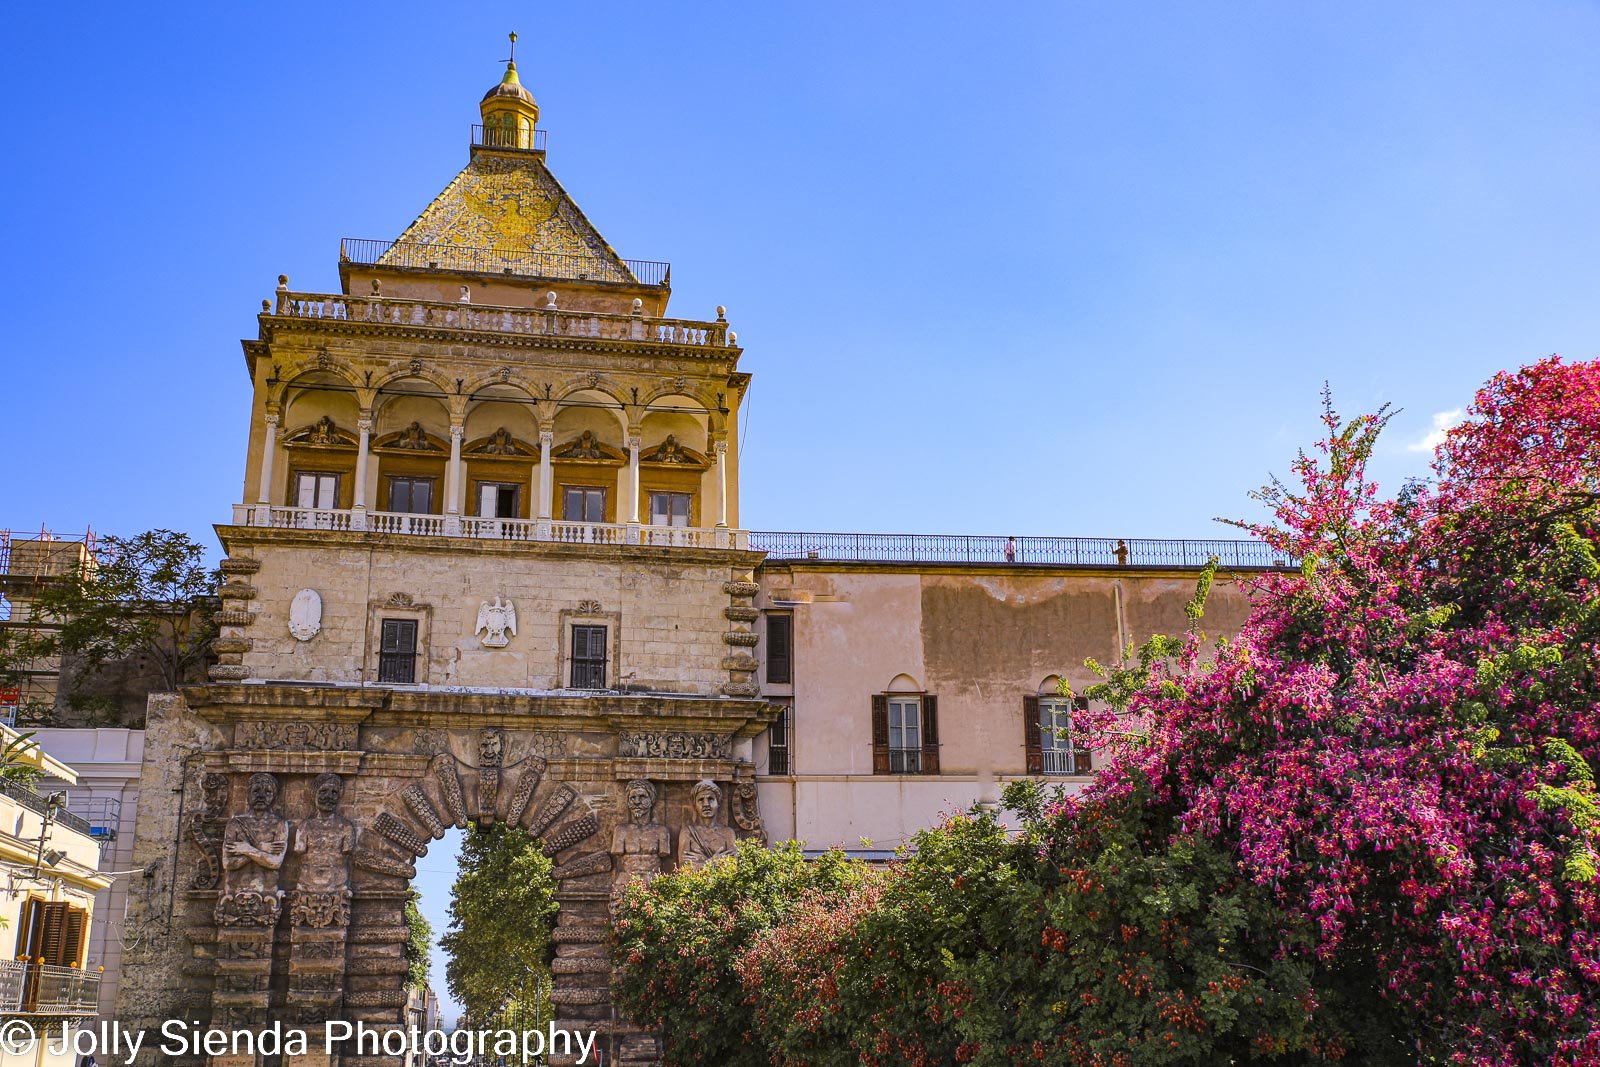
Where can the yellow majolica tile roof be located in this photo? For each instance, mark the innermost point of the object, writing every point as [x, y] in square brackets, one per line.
[514, 208]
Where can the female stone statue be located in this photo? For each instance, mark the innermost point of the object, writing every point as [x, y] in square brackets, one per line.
[702, 840]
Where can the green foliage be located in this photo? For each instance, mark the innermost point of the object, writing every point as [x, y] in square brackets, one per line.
[419, 935]
[502, 908]
[16, 764]
[676, 942]
[140, 599]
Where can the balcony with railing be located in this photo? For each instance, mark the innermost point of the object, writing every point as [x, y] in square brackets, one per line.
[47, 989]
[1034, 551]
[519, 262]
[527, 530]
[342, 310]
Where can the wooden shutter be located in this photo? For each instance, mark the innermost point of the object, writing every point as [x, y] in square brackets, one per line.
[52, 933]
[72, 936]
[1081, 762]
[1032, 740]
[780, 641]
[930, 735]
[880, 734]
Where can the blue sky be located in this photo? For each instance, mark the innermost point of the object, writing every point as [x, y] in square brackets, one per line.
[1050, 268]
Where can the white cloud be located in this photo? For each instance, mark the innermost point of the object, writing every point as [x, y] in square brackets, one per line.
[1442, 422]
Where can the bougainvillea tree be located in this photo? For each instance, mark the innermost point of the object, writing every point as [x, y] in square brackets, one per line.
[1363, 830]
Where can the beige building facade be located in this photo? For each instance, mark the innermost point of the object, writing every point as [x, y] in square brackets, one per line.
[50, 863]
[913, 689]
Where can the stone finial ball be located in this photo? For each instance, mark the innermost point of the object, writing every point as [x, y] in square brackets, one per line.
[722, 312]
[550, 299]
[283, 281]
[733, 338]
[638, 305]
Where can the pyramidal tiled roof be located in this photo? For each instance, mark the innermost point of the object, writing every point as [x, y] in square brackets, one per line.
[508, 211]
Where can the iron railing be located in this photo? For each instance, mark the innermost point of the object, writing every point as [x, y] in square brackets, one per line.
[103, 814]
[48, 989]
[522, 262]
[1038, 551]
[500, 137]
[31, 800]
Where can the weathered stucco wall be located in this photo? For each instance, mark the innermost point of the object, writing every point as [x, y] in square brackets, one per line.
[980, 639]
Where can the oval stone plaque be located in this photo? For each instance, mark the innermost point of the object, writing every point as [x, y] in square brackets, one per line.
[305, 615]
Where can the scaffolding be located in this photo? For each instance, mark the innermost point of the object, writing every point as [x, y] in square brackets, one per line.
[29, 563]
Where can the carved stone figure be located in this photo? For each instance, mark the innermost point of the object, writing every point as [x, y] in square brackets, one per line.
[498, 618]
[640, 844]
[584, 446]
[415, 438]
[207, 827]
[305, 615]
[669, 451]
[491, 756]
[702, 840]
[325, 842]
[253, 847]
[498, 444]
[491, 748]
[323, 433]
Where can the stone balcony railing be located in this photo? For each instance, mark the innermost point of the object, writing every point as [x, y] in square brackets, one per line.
[542, 530]
[548, 321]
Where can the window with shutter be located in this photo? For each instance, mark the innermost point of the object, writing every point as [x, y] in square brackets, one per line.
[780, 649]
[397, 651]
[1081, 763]
[1032, 744]
[588, 657]
[779, 735]
[880, 734]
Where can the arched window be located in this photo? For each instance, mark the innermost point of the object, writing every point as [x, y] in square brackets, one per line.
[1050, 729]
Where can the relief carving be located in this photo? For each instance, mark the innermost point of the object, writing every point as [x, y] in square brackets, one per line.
[558, 802]
[702, 840]
[371, 860]
[491, 755]
[324, 842]
[444, 769]
[296, 736]
[651, 745]
[641, 845]
[305, 615]
[591, 863]
[498, 619]
[417, 802]
[526, 784]
[747, 811]
[573, 833]
[207, 827]
[398, 832]
[253, 847]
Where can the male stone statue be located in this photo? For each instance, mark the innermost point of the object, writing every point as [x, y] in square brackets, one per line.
[324, 841]
[702, 840]
[641, 843]
[253, 847]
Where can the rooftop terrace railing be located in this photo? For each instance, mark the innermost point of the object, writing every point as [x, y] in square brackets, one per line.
[488, 318]
[492, 136]
[992, 548]
[520, 262]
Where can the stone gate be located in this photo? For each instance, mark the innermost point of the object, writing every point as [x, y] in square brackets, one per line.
[486, 567]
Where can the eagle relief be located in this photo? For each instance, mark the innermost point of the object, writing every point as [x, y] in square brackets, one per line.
[499, 619]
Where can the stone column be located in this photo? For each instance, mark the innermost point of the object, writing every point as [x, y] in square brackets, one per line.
[268, 449]
[547, 440]
[358, 521]
[722, 483]
[633, 488]
[452, 482]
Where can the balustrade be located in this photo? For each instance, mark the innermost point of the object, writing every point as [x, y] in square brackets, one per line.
[483, 318]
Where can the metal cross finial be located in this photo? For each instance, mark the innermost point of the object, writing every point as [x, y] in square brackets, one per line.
[513, 58]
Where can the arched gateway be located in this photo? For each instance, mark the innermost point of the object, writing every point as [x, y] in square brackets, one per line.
[487, 569]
